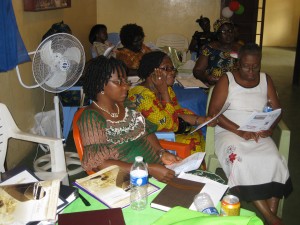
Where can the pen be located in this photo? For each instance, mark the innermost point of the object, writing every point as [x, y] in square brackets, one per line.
[83, 199]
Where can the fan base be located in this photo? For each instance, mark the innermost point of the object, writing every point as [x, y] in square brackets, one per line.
[43, 164]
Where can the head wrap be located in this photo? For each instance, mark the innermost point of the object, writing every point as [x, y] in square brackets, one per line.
[220, 22]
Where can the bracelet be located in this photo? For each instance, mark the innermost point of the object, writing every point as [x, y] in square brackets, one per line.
[161, 152]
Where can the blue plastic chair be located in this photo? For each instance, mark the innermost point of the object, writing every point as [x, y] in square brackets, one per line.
[114, 38]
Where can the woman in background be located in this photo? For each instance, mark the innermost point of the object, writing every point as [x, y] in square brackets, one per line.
[98, 38]
[219, 56]
[132, 39]
[201, 38]
[112, 132]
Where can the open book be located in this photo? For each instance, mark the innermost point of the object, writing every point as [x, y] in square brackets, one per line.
[110, 186]
[260, 121]
[29, 202]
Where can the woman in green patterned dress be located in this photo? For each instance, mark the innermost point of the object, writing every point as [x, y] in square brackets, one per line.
[112, 132]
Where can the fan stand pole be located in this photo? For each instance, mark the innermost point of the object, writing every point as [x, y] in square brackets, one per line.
[57, 117]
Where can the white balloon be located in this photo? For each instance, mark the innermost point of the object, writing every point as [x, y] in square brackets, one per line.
[226, 12]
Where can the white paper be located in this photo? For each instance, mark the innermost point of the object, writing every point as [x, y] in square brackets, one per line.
[190, 163]
[260, 121]
[215, 189]
[225, 107]
[187, 80]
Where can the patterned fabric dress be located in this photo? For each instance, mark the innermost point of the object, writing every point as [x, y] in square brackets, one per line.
[164, 115]
[118, 140]
[254, 170]
[219, 62]
[130, 58]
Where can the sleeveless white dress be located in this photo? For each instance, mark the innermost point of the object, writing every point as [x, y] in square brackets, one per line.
[254, 170]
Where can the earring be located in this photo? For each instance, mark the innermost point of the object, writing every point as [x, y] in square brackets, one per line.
[102, 92]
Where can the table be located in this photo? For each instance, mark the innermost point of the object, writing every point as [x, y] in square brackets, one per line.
[132, 217]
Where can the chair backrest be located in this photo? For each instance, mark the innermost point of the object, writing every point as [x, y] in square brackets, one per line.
[7, 129]
[113, 38]
[76, 136]
[177, 41]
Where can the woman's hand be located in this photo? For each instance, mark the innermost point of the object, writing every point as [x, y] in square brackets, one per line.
[160, 81]
[248, 135]
[265, 133]
[212, 123]
[161, 173]
[168, 158]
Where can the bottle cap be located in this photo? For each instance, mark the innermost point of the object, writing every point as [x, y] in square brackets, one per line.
[139, 158]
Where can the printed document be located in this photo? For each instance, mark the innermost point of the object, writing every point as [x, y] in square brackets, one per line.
[260, 121]
[190, 163]
[225, 107]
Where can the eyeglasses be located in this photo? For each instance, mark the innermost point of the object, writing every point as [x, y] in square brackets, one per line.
[121, 82]
[226, 31]
[169, 69]
[248, 69]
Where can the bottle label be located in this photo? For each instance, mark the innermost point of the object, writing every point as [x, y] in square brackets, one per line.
[138, 177]
[211, 211]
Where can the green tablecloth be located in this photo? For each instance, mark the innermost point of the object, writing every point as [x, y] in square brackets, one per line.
[132, 217]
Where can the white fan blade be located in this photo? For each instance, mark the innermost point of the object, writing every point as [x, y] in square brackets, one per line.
[47, 53]
[73, 53]
[56, 79]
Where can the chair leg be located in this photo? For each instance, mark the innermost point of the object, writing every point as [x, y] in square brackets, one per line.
[280, 208]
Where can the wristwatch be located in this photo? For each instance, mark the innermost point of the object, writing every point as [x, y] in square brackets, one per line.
[161, 152]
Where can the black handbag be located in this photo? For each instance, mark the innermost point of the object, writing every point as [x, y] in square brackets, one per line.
[183, 127]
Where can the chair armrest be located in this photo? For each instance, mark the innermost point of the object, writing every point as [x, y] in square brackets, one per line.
[58, 162]
[281, 136]
[182, 150]
[210, 143]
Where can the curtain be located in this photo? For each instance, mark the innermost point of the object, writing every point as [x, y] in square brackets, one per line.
[12, 48]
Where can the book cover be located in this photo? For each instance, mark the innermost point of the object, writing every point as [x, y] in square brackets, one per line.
[27, 202]
[110, 186]
[103, 217]
[179, 192]
[67, 194]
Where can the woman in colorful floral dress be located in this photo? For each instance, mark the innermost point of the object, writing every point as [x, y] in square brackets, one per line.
[156, 100]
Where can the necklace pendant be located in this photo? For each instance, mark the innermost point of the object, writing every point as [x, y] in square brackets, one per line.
[114, 115]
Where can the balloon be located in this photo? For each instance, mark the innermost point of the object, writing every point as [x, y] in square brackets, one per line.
[234, 6]
[226, 12]
[240, 10]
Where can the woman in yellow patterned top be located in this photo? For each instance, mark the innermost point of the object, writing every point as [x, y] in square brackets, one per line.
[156, 100]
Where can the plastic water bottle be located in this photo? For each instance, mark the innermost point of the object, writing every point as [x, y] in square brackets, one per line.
[268, 107]
[204, 204]
[139, 184]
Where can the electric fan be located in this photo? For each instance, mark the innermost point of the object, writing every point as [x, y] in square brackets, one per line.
[57, 64]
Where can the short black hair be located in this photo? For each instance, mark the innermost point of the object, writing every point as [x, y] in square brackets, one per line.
[129, 32]
[249, 48]
[59, 27]
[149, 62]
[97, 72]
[93, 32]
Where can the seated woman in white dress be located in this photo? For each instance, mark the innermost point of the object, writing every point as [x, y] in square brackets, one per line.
[255, 170]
